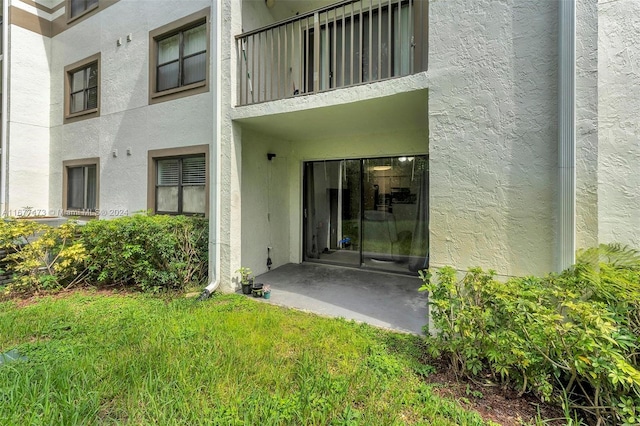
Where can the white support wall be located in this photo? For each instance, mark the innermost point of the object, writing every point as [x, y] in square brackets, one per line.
[492, 134]
[619, 122]
[28, 121]
[586, 123]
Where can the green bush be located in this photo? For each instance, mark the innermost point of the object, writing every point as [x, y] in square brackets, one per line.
[571, 337]
[40, 257]
[150, 252]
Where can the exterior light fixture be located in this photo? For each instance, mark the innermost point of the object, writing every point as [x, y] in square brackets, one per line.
[269, 3]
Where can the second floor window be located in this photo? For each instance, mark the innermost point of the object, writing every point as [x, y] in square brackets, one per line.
[83, 89]
[78, 7]
[179, 58]
[182, 58]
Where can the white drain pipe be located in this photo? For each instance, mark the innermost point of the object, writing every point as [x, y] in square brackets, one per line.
[4, 143]
[566, 133]
[214, 158]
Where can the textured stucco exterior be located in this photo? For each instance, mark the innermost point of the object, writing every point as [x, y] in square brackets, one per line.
[42, 42]
[28, 121]
[586, 123]
[618, 122]
[485, 112]
[492, 134]
[126, 118]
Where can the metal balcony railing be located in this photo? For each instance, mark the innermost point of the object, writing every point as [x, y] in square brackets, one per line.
[347, 43]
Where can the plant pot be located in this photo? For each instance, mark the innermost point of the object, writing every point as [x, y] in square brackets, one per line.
[267, 295]
[256, 289]
[246, 288]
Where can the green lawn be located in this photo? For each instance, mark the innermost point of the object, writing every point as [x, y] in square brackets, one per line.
[136, 359]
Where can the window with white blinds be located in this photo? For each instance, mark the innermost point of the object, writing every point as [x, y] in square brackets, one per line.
[181, 185]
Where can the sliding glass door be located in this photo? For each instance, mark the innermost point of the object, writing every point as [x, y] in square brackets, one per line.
[332, 211]
[370, 213]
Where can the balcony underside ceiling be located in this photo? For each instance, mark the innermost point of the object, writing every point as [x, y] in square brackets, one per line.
[399, 112]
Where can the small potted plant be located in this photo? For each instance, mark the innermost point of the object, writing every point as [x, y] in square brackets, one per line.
[266, 291]
[245, 279]
[256, 289]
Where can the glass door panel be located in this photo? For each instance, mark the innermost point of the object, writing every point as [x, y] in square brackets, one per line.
[372, 213]
[332, 211]
[395, 213]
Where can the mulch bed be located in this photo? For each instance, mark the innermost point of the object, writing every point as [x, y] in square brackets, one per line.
[492, 402]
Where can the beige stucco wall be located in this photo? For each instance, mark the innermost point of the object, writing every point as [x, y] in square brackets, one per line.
[618, 122]
[255, 14]
[493, 127]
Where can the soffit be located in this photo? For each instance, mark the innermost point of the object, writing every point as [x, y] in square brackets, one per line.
[398, 112]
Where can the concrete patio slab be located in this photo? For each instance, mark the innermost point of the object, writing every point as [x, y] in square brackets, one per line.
[385, 300]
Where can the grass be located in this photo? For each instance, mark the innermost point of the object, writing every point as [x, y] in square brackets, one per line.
[136, 359]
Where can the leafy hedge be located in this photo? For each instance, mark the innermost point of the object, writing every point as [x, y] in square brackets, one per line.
[571, 337]
[151, 252]
[146, 252]
[40, 257]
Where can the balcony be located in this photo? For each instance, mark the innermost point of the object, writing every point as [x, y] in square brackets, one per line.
[344, 44]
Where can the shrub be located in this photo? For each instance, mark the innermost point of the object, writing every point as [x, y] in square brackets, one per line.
[571, 337]
[150, 252]
[40, 257]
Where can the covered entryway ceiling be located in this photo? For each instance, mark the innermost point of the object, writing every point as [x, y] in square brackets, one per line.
[403, 111]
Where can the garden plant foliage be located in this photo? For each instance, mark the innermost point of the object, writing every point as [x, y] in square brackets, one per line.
[40, 257]
[146, 252]
[151, 252]
[571, 337]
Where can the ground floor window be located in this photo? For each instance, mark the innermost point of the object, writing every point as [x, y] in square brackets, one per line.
[179, 181]
[368, 212]
[81, 186]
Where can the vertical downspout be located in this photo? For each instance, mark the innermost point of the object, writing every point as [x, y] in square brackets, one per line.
[5, 113]
[214, 160]
[566, 133]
